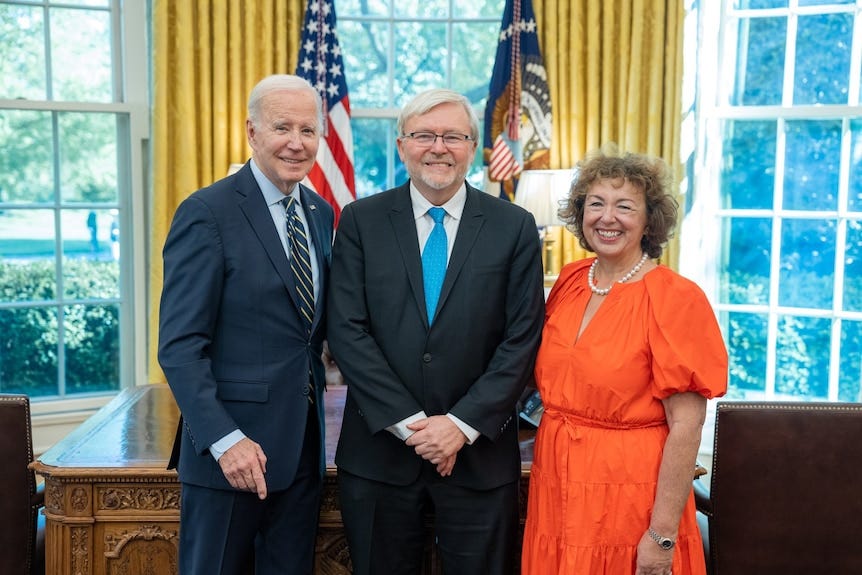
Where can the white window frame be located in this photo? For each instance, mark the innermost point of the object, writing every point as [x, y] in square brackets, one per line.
[53, 418]
[701, 235]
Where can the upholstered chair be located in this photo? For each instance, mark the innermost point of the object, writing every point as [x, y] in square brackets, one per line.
[22, 527]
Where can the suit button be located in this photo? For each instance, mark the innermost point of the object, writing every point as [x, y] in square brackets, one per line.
[305, 390]
[426, 358]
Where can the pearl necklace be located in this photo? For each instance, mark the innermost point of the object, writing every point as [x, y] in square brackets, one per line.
[591, 277]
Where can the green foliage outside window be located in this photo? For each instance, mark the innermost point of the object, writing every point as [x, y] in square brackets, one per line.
[29, 350]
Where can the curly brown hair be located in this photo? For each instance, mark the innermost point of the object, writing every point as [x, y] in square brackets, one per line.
[646, 173]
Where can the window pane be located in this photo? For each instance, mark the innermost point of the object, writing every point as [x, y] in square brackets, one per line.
[28, 351]
[90, 270]
[823, 59]
[476, 173]
[22, 67]
[94, 3]
[424, 9]
[88, 155]
[748, 165]
[756, 4]
[811, 165]
[802, 356]
[853, 268]
[807, 263]
[475, 48]
[480, 9]
[27, 249]
[850, 372]
[373, 140]
[92, 338]
[746, 335]
[760, 61]
[365, 65]
[854, 194]
[745, 261]
[824, 2]
[26, 161]
[421, 62]
[361, 8]
[81, 55]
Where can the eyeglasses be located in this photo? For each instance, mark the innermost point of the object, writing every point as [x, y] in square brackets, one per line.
[450, 139]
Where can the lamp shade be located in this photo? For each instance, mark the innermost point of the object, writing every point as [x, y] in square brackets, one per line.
[541, 192]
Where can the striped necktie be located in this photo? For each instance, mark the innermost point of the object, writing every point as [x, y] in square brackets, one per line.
[300, 261]
[434, 258]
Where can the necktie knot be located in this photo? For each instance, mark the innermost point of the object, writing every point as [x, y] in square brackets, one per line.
[437, 214]
[289, 206]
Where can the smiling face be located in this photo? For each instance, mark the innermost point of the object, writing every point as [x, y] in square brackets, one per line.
[615, 218]
[285, 137]
[438, 171]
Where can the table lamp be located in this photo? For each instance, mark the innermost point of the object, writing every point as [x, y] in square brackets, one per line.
[541, 192]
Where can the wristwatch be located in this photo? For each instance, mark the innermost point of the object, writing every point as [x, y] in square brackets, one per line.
[665, 543]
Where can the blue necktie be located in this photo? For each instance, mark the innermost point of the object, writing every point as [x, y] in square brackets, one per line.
[434, 261]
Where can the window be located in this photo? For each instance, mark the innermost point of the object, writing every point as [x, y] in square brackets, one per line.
[394, 50]
[777, 194]
[68, 169]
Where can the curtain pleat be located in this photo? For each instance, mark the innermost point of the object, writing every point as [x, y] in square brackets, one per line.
[208, 54]
[615, 75]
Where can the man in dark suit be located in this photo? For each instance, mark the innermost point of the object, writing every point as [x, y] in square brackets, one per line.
[429, 421]
[241, 331]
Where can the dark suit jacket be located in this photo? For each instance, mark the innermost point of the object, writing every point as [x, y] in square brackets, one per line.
[473, 362]
[231, 342]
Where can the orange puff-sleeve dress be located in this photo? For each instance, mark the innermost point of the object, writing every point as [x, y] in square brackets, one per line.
[599, 444]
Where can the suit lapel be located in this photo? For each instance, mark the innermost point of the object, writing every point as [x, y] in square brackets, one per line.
[472, 221]
[256, 211]
[404, 226]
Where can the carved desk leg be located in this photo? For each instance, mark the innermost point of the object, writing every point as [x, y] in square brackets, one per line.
[331, 555]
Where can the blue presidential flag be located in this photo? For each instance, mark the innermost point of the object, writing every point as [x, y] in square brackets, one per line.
[518, 115]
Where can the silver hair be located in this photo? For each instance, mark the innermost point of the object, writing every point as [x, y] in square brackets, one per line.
[425, 101]
[278, 82]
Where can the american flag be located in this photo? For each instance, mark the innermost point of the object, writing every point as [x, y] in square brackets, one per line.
[320, 63]
[518, 115]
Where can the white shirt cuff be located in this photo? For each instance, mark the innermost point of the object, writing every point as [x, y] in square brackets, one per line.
[400, 430]
[472, 434]
[219, 447]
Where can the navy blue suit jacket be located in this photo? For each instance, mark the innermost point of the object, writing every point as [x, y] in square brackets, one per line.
[231, 341]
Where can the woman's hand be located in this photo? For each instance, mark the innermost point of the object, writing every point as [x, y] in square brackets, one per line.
[652, 559]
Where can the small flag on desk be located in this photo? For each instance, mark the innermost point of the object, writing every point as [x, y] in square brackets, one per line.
[518, 115]
[321, 63]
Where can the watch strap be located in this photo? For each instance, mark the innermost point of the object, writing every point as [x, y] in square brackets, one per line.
[665, 543]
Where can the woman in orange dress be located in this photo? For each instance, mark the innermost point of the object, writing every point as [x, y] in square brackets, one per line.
[630, 353]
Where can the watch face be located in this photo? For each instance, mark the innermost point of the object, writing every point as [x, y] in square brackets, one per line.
[666, 544]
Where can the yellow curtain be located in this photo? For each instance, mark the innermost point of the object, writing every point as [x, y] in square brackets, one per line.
[615, 75]
[207, 55]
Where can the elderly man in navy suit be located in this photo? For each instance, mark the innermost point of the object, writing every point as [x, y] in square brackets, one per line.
[241, 331]
[435, 314]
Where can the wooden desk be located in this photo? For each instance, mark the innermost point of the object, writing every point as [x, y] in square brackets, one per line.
[113, 509]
